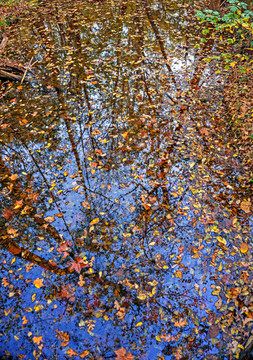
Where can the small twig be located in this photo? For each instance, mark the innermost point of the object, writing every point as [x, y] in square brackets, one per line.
[26, 70]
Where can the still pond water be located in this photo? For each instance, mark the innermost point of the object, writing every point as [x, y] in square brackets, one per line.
[126, 225]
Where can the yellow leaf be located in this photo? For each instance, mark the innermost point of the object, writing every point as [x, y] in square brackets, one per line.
[66, 173]
[13, 260]
[139, 324]
[95, 221]
[223, 241]
[244, 248]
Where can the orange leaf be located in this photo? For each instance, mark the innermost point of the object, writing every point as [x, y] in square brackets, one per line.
[63, 336]
[38, 283]
[84, 354]
[37, 339]
[244, 248]
[121, 355]
[71, 352]
[179, 274]
[18, 204]
[180, 323]
[95, 221]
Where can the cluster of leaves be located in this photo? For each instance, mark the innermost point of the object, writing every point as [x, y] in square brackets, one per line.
[231, 28]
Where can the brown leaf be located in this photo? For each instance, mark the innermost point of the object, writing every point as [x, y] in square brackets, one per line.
[214, 331]
[245, 206]
[8, 213]
[122, 355]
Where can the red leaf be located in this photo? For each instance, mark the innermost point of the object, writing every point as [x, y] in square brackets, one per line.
[8, 214]
[78, 264]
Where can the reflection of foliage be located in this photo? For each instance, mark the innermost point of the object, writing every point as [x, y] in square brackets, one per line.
[118, 194]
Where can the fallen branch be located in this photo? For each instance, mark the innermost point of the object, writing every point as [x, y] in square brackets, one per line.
[26, 70]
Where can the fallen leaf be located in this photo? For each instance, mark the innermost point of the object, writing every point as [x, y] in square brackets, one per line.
[95, 221]
[71, 352]
[84, 354]
[37, 339]
[245, 206]
[78, 264]
[214, 331]
[121, 355]
[63, 336]
[244, 248]
[38, 283]
[18, 204]
[8, 213]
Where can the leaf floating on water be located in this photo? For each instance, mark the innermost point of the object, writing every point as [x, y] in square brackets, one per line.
[244, 248]
[123, 355]
[84, 354]
[37, 339]
[214, 331]
[38, 283]
[95, 221]
[71, 352]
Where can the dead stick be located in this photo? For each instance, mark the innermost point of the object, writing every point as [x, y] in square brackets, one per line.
[3, 44]
[26, 70]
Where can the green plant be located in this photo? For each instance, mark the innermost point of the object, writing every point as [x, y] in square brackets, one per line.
[232, 29]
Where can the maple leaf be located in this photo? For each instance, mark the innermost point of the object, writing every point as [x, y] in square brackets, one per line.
[37, 339]
[38, 283]
[64, 247]
[8, 213]
[78, 264]
[121, 355]
[67, 292]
